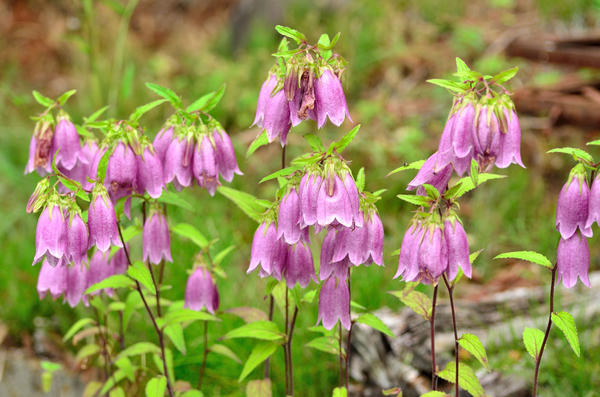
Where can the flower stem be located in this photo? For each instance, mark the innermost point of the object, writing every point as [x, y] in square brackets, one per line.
[349, 337]
[204, 356]
[289, 350]
[159, 332]
[268, 360]
[285, 345]
[450, 294]
[341, 354]
[432, 327]
[538, 361]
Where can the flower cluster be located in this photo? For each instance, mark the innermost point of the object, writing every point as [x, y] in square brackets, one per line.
[305, 84]
[576, 211]
[433, 247]
[326, 197]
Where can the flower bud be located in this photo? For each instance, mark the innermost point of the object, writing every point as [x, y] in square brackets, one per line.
[573, 260]
[39, 196]
[334, 303]
[40, 149]
[102, 221]
[330, 100]
[572, 207]
[201, 291]
[156, 239]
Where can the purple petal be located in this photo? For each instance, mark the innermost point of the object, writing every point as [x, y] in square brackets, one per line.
[334, 304]
[330, 100]
[150, 177]
[573, 260]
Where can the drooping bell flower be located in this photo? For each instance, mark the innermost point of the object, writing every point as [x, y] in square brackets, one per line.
[204, 165]
[594, 204]
[99, 270]
[334, 303]
[77, 239]
[456, 143]
[81, 171]
[302, 97]
[328, 266]
[308, 193]
[225, 155]
[267, 250]
[52, 279]
[150, 177]
[361, 245]
[201, 291]
[330, 100]
[432, 174]
[272, 111]
[573, 260]
[572, 206]
[433, 254]
[510, 152]
[488, 137]
[177, 167]
[121, 172]
[77, 283]
[118, 263]
[408, 263]
[161, 142]
[299, 266]
[156, 239]
[40, 149]
[334, 202]
[288, 218]
[102, 221]
[51, 235]
[458, 248]
[66, 144]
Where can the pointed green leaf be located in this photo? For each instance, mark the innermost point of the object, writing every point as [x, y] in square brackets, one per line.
[466, 378]
[171, 198]
[260, 352]
[282, 172]
[166, 93]
[473, 345]
[65, 97]
[42, 100]
[249, 204]
[190, 232]
[415, 165]
[207, 102]
[504, 76]
[565, 322]
[183, 315]
[141, 273]
[225, 351]
[326, 344]
[423, 201]
[533, 338]
[139, 348]
[261, 140]
[375, 322]
[315, 142]
[76, 327]
[530, 256]
[417, 301]
[346, 139]
[175, 334]
[115, 281]
[141, 110]
[340, 392]
[264, 330]
[291, 33]
[448, 84]
[575, 152]
[156, 386]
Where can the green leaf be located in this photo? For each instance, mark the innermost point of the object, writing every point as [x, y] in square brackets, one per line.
[222, 255]
[141, 273]
[473, 345]
[138, 349]
[374, 322]
[326, 344]
[190, 232]
[102, 165]
[141, 110]
[73, 186]
[49, 366]
[565, 322]
[156, 386]
[340, 392]
[76, 327]
[282, 172]
[465, 185]
[132, 301]
[434, 393]
[448, 84]
[417, 301]
[415, 199]
[595, 143]
[394, 391]
[315, 142]
[42, 100]
[291, 33]
[128, 368]
[184, 315]
[533, 338]
[115, 378]
[530, 256]
[175, 333]
[248, 314]
[249, 204]
[264, 330]
[474, 173]
[95, 115]
[169, 197]
[259, 388]
[575, 152]
[346, 139]
[461, 66]
[86, 351]
[260, 352]
[261, 140]
[415, 165]
[193, 393]
[466, 378]
[65, 97]
[504, 76]
[114, 281]
[207, 102]
[360, 179]
[432, 192]
[225, 351]
[166, 93]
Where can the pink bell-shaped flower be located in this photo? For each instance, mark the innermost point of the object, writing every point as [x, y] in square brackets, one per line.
[201, 291]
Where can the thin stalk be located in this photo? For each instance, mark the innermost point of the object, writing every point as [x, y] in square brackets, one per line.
[432, 327]
[159, 332]
[349, 338]
[289, 349]
[341, 354]
[268, 360]
[538, 361]
[456, 346]
[285, 345]
[205, 354]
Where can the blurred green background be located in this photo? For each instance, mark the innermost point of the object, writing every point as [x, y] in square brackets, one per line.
[108, 49]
